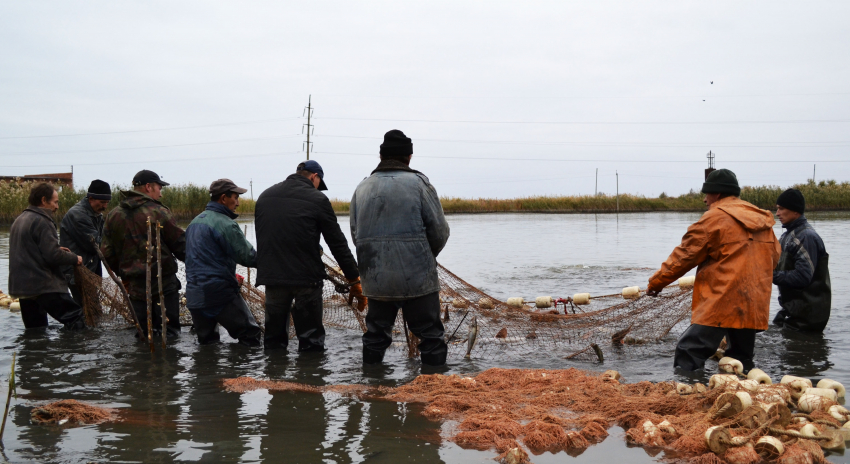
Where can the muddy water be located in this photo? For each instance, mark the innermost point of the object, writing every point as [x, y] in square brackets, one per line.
[174, 410]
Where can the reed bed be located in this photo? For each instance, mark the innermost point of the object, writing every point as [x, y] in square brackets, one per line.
[187, 200]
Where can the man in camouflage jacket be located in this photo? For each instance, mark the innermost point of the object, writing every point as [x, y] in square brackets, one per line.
[125, 236]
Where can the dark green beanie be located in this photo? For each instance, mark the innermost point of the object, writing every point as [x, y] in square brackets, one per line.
[722, 181]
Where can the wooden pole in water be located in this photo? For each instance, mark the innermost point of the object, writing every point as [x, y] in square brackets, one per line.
[120, 286]
[596, 187]
[8, 397]
[159, 280]
[148, 284]
[618, 190]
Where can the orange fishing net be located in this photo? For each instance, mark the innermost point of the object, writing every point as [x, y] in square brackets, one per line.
[70, 411]
[512, 411]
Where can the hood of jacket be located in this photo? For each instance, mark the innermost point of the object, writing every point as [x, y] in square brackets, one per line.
[752, 218]
[133, 199]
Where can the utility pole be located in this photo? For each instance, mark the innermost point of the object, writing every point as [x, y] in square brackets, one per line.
[252, 189]
[710, 169]
[596, 188]
[813, 173]
[618, 190]
[309, 111]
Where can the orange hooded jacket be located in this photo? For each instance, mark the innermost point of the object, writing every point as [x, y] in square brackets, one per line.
[735, 249]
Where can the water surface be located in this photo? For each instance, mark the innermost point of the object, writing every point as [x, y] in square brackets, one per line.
[174, 409]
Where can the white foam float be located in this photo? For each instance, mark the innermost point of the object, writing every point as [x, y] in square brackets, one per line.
[486, 303]
[812, 403]
[760, 375]
[752, 385]
[839, 412]
[832, 385]
[797, 385]
[631, 293]
[722, 381]
[516, 302]
[827, 393]
[543, 302]
[730, 365]
[688, 281]
[581, 298]
[769, 448]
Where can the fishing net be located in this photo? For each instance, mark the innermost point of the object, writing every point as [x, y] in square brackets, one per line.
[514, 412]
[73, 411]
[604, 326]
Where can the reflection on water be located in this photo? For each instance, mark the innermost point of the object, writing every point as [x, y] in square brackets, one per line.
[173, 409]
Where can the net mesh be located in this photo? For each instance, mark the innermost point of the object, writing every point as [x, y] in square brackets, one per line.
[607, 326]
[73, 411]
[514, 412]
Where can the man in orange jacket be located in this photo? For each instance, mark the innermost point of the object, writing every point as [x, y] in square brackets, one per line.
[735, 251]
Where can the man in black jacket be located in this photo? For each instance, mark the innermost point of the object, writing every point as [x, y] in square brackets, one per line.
[36, 261]
[81, 232]
[290, 217]
[802, 275]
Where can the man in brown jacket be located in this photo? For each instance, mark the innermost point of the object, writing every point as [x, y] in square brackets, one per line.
[735, 251]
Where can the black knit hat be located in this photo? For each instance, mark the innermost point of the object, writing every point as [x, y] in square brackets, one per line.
[722, 181]
[99, 190]
[792, 199]
[396, 145]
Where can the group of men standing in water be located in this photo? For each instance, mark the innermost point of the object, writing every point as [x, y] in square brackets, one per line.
[398, 229]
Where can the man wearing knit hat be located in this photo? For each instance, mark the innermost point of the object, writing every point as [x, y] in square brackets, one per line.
[735, 251]
[81, 231]
[805, 291]
[398, 227]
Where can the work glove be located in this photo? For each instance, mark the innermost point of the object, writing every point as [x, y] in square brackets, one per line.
[240, 279]
[651, 291]
[356, 292]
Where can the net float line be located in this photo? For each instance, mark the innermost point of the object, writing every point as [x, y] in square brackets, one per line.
[607, 327]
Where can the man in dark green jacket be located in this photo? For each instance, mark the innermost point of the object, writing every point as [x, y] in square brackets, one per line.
[81, 232]
[214, 246]
[125, 236]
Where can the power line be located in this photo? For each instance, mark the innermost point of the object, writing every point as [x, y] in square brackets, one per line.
[631, 160]
[149, 146]
[587, 97]
[148, 130]
[639, 123]
[150, 161]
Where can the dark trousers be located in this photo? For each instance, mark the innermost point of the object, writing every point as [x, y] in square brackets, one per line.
[172, 313]
[76, 294]
[423, 319]
[305, 305]
[700, 342]
[235, 317]
[60, 306]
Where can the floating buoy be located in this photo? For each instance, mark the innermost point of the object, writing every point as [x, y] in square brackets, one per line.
[460, 303]
[5, 301]
[666, 426]
[15, 306]
[543, 301]
[730, 365]
[485, 303]
[812, 403]
[824, 392]
[515, 456]
[717, 439]
[611, 375]
[750, 384]
[684, 389]
[839, 412]
[758, 374]
[810, 431]
[796, 384]
[773, 394]
[835, 442]
[722, 381]
[833, 385]
[581, 298]
[769, 448]
[516, 302]
[779, 410]
[631, 293]
[729, 404]
[688, 281]
[700, 388]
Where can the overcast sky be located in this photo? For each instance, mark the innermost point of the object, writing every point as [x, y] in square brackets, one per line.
[501, 99]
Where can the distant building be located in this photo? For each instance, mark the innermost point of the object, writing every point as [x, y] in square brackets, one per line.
[65, 179]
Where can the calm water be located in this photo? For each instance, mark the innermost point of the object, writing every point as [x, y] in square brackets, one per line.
[174, 409]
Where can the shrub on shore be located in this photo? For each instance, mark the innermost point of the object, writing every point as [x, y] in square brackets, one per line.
[187, 200]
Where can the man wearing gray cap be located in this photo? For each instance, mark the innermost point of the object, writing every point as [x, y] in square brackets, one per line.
[214, 246]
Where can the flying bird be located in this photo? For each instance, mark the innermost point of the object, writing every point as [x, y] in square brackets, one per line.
[712, 82]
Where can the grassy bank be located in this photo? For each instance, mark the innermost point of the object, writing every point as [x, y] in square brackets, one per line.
[186, 201]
